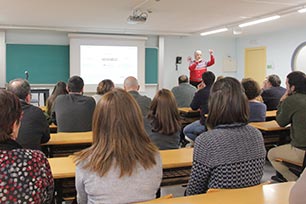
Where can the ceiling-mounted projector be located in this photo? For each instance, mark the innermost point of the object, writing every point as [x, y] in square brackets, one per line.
[137, 17]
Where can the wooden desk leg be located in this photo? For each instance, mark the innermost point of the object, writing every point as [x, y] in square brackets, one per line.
[59, 191]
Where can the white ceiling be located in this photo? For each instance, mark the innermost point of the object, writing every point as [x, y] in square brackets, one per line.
[168, 17]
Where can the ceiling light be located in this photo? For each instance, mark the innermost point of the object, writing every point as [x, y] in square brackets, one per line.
[262, 20]
[214, 31]
[303, 10]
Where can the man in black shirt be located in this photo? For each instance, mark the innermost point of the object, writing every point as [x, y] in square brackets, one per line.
[34, 129]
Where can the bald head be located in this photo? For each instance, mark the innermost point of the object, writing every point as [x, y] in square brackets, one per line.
[131, 84]
[183, 79]
[20, 87]
[198, 52]
[198, 55]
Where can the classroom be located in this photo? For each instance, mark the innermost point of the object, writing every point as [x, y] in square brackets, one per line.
[46, 41]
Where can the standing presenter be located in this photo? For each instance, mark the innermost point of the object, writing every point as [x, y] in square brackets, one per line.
[198, 66]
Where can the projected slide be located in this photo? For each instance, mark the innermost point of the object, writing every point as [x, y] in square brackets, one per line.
[107, 62]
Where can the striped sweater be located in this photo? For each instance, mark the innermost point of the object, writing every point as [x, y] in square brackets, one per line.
[229, 156]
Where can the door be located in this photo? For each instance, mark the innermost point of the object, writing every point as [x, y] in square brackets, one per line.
[255, 64]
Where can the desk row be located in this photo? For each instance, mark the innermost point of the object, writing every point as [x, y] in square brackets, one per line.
[64, 138]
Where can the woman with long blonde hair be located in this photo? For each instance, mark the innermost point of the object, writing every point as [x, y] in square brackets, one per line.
[122, 165]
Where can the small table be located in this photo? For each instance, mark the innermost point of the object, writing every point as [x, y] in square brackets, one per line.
[45, 92]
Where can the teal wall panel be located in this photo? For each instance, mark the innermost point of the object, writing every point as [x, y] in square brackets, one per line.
[151, 65]
[46, 64]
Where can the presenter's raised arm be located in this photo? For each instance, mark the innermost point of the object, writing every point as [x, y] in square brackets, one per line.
[212, 58]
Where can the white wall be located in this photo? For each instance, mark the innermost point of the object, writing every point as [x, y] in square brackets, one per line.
[185, 46]
[36, 37]
[280, 47]
[2, 59]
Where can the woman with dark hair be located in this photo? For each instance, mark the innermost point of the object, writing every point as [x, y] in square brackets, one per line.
[25, 174]
[257, 108]
[163, 121]
[59, 89]
[231, 154]
[103, 87]
[122, 165]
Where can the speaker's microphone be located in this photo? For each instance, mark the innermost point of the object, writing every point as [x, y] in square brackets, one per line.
[26, 75]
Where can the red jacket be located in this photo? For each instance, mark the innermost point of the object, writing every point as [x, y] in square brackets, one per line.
[198, 68]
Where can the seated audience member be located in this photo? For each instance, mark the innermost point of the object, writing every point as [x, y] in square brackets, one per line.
[219, 77]
[34, 129]
[298, 191]
[200, 101]
[184, 92]
[131, 85]
[272, 92]
[104, 86]
[73, 112]
[132, 168]
[291, 110]
[231, 154]
[257, 108]
[163, 121]
[59, 89]
[25, 174]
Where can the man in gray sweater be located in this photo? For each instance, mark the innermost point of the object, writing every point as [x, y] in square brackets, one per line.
[131, 85]
[73, 112]
[184, 92]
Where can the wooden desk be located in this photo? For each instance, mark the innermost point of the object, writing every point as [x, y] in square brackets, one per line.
[261, 194]
[63, 167]
[53, 128]
[43, 108]
[268, 126]
[271, 114]
[188, 115]
[188, 112]
[66, 143]
[272, 133]
[70, 138]
[176, 158]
